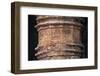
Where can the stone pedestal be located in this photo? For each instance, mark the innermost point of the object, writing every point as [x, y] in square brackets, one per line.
[59, 37]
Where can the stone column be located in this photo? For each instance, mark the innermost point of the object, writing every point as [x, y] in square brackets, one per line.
[59, 37]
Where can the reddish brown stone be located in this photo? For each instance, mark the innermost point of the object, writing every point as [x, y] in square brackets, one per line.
[59, 37]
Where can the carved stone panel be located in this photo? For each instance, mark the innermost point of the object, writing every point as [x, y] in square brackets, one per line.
[59, 37]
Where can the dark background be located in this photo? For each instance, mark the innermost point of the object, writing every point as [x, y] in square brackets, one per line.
[84, 37]
[33, 37]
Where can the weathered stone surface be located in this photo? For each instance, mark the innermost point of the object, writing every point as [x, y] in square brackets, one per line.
[59, 37]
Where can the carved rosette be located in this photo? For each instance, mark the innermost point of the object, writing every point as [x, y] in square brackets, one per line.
[59, 37]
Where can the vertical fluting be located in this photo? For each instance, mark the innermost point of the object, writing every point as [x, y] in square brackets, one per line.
[59, 37]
